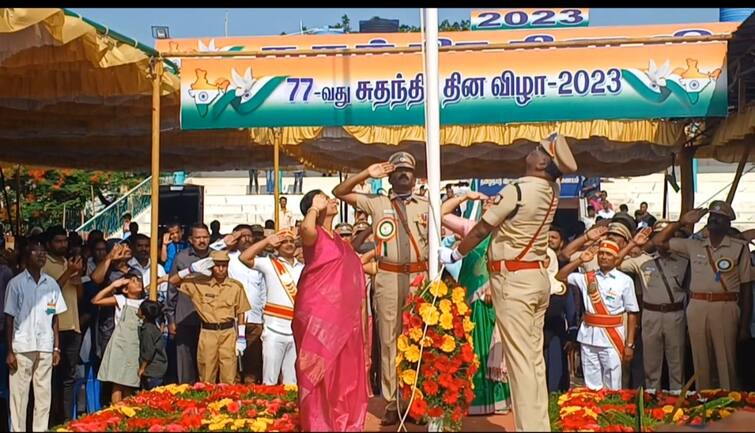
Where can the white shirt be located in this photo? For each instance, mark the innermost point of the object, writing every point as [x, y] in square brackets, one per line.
[285, 219]
[606, 213]
[162, 289]
[254, 286]
[120, 302]
[617, 290]
[589, 222]
[276, 294]
[33, 306]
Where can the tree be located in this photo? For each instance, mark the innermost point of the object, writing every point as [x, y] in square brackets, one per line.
[445, 26]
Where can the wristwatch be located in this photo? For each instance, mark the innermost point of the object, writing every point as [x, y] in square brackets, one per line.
[631, 346]
[56, 349]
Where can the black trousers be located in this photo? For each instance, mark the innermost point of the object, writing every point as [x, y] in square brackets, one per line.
[187, 341]
[64, 374]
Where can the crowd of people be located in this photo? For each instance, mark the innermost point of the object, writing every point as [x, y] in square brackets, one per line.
[319, 304]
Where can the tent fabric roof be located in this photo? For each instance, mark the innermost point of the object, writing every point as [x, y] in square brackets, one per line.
[75, 97]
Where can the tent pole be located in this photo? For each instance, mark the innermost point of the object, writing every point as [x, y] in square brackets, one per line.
[687, 179]
[740, 170]
[276, 189]
[155, 181]
[432, 135]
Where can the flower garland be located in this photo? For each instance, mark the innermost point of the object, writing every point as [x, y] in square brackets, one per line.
[201, 407]
[445, 355]
[581, 409]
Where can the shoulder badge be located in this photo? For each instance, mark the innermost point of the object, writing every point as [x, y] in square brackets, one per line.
[386, 229]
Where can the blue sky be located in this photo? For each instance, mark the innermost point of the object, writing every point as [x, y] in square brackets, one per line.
[194, 22]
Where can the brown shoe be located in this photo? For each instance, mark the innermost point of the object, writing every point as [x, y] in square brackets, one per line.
[390, 418]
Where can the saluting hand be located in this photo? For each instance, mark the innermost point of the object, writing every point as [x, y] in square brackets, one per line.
[166, 239]
[694, 216]
[380, 170]
[232, 239]
[589, 254]
[274, 240]
[474, 195]
[596, 233]
[320, 202]
[642, 237]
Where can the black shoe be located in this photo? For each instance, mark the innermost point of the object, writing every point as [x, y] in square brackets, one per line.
[389, 418]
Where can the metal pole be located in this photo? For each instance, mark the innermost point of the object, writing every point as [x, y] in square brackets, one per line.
[155, 181]
[432, 134]
[665, 195]
[276, 189]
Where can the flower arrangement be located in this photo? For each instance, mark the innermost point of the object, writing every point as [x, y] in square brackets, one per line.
[585, 410]
[445, 354]
[201, 407]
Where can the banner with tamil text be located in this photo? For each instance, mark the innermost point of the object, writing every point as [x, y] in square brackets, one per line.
[476, 87]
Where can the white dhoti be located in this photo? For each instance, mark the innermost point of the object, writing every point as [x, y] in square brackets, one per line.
[601, 367]
[278, 357]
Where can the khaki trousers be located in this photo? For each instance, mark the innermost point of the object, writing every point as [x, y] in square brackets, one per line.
[713, 328]
[217, 353]
[520, 299]
[663, 334]
[34, 367]
[391, 290]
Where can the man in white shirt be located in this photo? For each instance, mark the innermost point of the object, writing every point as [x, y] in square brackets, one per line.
[254, 285]
[281, 275]
[141, 262]
[285, 217]
[33, 302]
[606, 293]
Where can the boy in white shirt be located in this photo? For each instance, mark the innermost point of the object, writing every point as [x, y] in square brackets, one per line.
[607, 293]
[33, 301]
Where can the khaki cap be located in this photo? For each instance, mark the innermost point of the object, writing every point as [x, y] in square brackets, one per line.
[722, 208]
[402, 159]
[558, 149]
[220, 256]
[620, 229]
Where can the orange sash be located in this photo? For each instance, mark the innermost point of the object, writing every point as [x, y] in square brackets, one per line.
[285, 278]
[601, 310]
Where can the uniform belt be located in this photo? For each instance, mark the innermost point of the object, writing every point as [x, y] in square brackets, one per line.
[715, 297]
[218, 326]
[663, 308]
[513, 265]
[403, 268]
[603, 320]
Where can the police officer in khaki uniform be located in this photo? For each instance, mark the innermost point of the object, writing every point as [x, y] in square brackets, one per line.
[519, 222]
[718, 314]
[219, 302]
[661, 278]
[399, 223]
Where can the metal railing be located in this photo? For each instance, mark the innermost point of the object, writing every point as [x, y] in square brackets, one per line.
[109, 220]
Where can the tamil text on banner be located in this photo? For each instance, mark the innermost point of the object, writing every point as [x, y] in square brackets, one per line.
[477, 87]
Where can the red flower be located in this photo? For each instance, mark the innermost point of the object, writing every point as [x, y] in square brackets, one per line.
[696, 421]
[175, 428]
[418, 280]
[251, 413]
[450, 397]
[457, 414]
[418, 409]
[435, 412]
[429, 387]
[445, 380]
[458, 329]
[467, 354]
[234, 407]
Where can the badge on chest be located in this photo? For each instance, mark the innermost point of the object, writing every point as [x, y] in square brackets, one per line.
[51, 306]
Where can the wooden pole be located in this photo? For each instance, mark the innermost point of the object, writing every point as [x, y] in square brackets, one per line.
[687, 178]
[18, 200]
[157, 69]
[276, 179]
[740, 170]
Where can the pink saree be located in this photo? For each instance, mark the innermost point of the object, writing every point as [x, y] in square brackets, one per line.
[329, 337]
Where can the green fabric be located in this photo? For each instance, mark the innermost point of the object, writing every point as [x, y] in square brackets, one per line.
[489, 395]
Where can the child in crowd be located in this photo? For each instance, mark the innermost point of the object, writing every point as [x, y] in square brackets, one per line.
[153, 360]
[120, 363]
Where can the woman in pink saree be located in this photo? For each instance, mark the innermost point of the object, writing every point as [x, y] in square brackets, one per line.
[328, 325]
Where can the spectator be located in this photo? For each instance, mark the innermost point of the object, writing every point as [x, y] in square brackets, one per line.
[589, 220]
[68, 276]
[643, 217]
[153, 359]
[141, 262]
[215, 231]
[624, 208]
[606, 208]
[120, 363]
[285, 217]
[173, 244]
[450, 194]
[94, 236]
[126, 224]
[269, 225]
[33, 303]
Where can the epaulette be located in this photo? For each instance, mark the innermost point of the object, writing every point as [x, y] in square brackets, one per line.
[236, 282]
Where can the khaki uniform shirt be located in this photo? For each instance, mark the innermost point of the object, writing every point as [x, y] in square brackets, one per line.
[514, 234]
[653, 288]
[703, 278]
[216, 302]
[397, 247]
[68, 320]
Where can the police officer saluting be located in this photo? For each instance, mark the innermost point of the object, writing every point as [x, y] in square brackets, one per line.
[718, 314]
[219, 302]
[519, 221]
[399, 223]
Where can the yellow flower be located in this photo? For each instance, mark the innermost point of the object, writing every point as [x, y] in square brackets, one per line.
[429, 314]
[678, 415]
[445, 305]
[449, 344]
[173, 389]
[258, 425]
[447, 321]
[220, 404]
[399, 358]
[412, 353]
[427, 342]
[462, 308]
[468, 325]
[415, 334]
[129, 412]
[239, 423]
[61, 429]
[291, 387]
[668, 409]
[470, 341]
[458, 295]
[439, 289]
[409, 376]
[725, 412]
[403, 343]
[736, 396]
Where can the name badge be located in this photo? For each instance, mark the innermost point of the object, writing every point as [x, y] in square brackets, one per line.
[50, 307]
[389, 212]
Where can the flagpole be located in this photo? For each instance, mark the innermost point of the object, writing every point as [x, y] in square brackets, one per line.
[432, 134]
